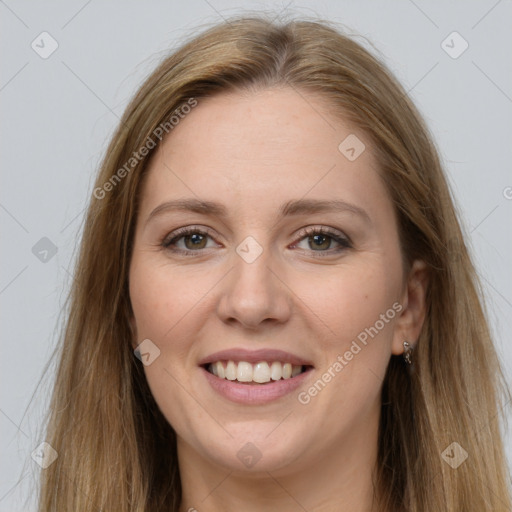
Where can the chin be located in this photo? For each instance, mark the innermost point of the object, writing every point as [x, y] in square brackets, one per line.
[248, 450]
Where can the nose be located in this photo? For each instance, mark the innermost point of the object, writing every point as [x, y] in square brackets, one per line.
[254, 292]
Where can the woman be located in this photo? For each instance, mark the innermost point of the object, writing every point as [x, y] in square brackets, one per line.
[274, 307]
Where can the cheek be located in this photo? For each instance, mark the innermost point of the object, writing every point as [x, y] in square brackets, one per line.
[350, 301]
[169, 306]
[163, 302]
[359, 308]
[161, 296]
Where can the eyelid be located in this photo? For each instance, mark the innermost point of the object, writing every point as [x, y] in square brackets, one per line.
[184, 231]
[338, 236]
[324, 230]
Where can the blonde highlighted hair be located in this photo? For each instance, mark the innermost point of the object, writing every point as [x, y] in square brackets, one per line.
[116, 450]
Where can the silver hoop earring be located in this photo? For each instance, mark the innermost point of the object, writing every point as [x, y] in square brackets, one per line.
[408, 352]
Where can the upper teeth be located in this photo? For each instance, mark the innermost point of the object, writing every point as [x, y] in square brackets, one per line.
[260, 372]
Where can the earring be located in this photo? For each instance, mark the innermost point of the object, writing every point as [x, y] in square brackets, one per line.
[407, 352]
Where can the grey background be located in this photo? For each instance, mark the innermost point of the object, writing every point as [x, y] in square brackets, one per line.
[58, 114]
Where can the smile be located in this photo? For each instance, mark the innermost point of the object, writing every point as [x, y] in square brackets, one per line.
[255, 377]
[259, 373]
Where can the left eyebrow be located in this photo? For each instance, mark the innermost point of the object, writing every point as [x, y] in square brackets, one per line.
[311, 206]
[290, 208]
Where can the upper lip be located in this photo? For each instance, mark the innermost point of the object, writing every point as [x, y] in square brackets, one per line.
[254, 356]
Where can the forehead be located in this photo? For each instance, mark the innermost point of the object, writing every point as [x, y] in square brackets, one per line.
[258, 148]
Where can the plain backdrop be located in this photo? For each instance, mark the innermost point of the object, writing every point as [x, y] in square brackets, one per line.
[58, 112]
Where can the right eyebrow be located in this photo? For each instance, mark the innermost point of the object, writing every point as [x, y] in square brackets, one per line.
[190, 205]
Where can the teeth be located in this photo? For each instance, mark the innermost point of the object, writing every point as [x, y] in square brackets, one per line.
[276, 370]
[231, 370]
[296, 370]
[260, 372]
[244, 372]
[220, 370]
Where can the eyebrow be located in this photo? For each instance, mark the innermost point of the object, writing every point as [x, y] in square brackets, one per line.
[290, 208]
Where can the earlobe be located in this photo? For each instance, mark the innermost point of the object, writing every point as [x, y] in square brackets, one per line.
[412, 316]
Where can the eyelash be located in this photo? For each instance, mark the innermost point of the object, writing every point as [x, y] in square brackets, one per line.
[307, 232]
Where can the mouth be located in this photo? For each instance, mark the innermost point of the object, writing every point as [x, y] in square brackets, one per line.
[260, 373]
[255, 377]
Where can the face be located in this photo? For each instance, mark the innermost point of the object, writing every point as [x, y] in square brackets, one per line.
[274, 296]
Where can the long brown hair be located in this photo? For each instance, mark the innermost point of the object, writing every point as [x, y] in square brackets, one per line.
[117, 451]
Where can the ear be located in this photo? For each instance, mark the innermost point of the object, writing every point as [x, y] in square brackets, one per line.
[412, 315]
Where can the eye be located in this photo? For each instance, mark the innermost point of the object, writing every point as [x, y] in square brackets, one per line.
[319, 240]
[193, 238]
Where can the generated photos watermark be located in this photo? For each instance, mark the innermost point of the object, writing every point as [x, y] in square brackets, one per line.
[305, 397]
[159, 133]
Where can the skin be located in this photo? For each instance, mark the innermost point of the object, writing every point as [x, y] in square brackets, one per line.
[252, 152]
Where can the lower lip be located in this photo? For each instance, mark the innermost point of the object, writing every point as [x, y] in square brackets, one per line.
[255, 393]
